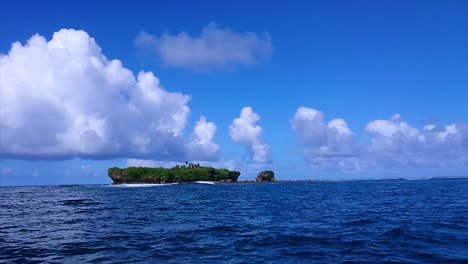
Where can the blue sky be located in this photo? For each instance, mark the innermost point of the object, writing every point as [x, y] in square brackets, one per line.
[360, 62]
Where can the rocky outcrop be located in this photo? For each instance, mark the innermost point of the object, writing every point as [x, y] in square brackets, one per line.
[265, 176]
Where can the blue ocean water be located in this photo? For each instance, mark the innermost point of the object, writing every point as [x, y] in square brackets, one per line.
[400, 221]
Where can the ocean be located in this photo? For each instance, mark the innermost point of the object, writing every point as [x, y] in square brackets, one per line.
[394, 221]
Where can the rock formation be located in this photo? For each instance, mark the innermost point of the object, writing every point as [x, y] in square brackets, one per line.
[265, 176]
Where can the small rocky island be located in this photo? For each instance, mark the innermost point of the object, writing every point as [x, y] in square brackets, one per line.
[265, 176]
[188, 172]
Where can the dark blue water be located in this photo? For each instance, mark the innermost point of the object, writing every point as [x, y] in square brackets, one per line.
[288, 222]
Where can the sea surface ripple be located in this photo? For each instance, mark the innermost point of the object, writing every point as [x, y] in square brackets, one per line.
[286, 222]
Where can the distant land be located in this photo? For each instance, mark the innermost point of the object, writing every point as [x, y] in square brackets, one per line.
[188, 172]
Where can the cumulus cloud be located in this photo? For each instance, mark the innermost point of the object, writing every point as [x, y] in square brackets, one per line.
[201, 145]
[393, 142]
[244, 130]
[63, 98]
[215, 48]
[324, 144]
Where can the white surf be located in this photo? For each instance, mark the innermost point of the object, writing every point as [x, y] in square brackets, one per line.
[205, 182]
[132, 185]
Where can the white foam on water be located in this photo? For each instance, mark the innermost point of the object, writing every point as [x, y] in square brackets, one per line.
[418, 179]
[205, 182]
[133, 185]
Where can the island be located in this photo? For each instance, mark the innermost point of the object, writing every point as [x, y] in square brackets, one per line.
[265, 176]
[189, 172]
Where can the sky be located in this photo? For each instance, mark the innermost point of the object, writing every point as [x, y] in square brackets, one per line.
[319, 90]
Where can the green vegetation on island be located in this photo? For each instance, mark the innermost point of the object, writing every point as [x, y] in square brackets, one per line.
[188, 172]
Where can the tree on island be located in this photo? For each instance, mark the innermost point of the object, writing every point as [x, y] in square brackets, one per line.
[265, 176]
[185, 173]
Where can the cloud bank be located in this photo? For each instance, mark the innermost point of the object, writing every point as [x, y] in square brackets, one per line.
[245, 131]
[215, 48]
[392, 143]
[63, 98]
[396, 143]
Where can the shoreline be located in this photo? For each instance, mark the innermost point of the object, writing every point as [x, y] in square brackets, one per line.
[217, 182]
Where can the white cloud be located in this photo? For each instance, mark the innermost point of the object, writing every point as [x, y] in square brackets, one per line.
[201, 145]
[244, 130]
[393, 143]
[387, 128]
[215, 48]
[396, 143]
[63, 98]
[150, 163]
[429, 127]
[322, 144]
